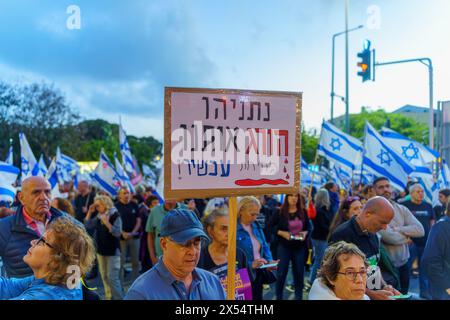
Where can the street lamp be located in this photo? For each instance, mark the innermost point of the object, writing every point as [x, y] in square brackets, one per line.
[333, 94]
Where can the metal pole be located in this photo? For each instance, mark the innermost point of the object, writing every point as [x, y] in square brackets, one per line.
[347, 98]
[332, 80]
[430, 72]
[429, 64]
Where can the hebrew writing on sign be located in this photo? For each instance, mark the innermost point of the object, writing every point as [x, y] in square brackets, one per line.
[231, 142]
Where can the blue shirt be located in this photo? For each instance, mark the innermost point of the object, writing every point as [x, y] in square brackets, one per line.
[159, 284]
[30, 288]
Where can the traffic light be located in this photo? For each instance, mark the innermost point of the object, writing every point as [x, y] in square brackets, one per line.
[365, 64]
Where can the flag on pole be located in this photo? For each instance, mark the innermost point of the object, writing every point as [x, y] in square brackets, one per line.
[52, 174]
[341, 177]
[381, 160]
[123, 176]
[29, 165]
[42, 167]
[127, 157]
[444, 176]
[416, 153]
[339, 147]
[9, 157]
[8, 176]
[105, 176]
[66, 167]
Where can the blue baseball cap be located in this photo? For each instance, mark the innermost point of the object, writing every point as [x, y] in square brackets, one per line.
[182, 225]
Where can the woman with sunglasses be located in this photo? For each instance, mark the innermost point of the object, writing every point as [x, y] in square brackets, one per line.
[350, 207]
[59, 259]
[342, 275]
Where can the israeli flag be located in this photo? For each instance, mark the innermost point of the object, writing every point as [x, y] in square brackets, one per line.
[149, 172]
[412, 151]
[29, 165]
[125, 179]
[360, 175]
[339, 147]
[52, 174]
[9, 157]
[444, 176]
[382, 160]
[8, 176]
[341, 177]
[66, 167]
[127, 158]
[42, 167]
[105, 176]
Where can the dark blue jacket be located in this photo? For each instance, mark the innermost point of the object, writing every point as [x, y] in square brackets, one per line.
[15, 238]
[436, 259]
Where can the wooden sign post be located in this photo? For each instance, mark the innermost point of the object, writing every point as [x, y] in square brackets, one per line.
[228, 143]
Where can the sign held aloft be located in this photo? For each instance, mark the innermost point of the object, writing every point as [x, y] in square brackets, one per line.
[226, 142]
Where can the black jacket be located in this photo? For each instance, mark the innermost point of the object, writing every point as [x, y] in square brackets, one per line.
[281, 223]
[322, 223]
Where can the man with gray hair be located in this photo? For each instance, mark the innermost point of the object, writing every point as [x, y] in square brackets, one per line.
[398, 234]
[424, 212]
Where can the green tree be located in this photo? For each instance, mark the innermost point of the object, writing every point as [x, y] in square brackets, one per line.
[310, 140]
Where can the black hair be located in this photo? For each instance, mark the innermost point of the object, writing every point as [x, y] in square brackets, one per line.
[378, 180]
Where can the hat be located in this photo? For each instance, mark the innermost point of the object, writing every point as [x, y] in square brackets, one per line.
[182, 225]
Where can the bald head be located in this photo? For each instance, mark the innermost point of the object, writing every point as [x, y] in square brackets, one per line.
[35, 196]
[376, 214]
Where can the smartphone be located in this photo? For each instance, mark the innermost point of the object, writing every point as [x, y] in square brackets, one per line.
[401, 296]
[268, 265]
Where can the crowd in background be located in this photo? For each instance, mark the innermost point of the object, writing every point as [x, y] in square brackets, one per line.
[318, 236]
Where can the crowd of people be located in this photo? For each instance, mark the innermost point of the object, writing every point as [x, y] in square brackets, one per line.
[365, 244]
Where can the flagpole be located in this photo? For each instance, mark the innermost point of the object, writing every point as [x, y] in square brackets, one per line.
[313, 175]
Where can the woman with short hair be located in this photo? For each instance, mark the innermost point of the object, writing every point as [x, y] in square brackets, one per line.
[59, 259]
[342, 275]
[108, 228]
[214, 256]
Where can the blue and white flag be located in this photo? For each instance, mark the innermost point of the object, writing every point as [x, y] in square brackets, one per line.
[105, 176]
[52, 174]
[66, 167]
[416, 153]
[42, 167]
[29, 165]
[339, 147]
[9, 157]
[124, 178]
[381, 160]
[8, 176]
[149, 172]
[341, 177]
[127, 157]
[444, 176]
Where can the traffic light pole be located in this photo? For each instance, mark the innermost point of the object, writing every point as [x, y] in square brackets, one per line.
[429, 64]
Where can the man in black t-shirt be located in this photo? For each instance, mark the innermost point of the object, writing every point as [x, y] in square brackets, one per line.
[423, 211]
[361, 230]
[83, 200]
[439, 210]
[131, 224]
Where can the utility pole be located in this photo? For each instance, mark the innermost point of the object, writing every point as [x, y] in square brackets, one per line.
[347, 98]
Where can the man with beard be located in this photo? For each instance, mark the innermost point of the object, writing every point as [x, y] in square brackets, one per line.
[397, 236]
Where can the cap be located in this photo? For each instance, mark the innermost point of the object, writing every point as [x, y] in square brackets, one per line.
[182, 225]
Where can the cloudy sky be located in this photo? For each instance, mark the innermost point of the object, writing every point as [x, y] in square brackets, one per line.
[126, 52]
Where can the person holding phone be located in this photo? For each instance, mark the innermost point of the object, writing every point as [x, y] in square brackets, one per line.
[292, 225]
[250, 239]
[107, 224]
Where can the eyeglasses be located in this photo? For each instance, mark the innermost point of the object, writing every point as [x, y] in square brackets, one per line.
[351, 275]
[41, 239]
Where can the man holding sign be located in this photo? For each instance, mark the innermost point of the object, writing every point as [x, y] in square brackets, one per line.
[176, 276]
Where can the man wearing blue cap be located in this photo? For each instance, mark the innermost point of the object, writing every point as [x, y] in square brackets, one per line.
[176, 276]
